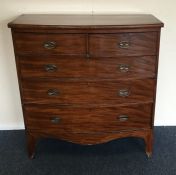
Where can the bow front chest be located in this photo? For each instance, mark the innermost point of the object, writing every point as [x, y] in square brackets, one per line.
[87, 79]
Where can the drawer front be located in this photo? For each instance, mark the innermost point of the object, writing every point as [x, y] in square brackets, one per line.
[86, 120]
[80, 67]
[128, 44]
[88, 93]
[50, 43]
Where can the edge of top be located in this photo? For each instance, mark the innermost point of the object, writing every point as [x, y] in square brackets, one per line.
[16, 25]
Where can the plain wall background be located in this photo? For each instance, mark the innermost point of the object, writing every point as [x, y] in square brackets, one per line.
[10, 107]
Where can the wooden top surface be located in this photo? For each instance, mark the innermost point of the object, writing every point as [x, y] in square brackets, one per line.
[85, 21]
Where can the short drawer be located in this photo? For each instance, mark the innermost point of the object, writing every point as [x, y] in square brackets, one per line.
[128, 44]
[94, 68]
[57, 92]
[87, 120]
[50, 43]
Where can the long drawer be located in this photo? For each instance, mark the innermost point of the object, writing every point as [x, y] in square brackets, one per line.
[128, 44]
[61, 44]
[80, 67]
[87, 120]
[58, 92]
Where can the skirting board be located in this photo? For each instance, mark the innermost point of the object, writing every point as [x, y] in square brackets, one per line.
[11, 126]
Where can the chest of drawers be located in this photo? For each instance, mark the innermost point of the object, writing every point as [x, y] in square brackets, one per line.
[87, 79]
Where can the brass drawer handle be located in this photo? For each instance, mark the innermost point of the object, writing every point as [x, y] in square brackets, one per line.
[123, 118]
[53, 92]
[50, 68]
[124, 45]
[49, 45]
[124, 93]
[55, 120]
[124, 67]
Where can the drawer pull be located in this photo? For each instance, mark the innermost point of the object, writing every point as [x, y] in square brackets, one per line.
[53, 92]
[50, 68]
[123, 118]
[124, 45]
[124, 67]
[55, 120]
[49, 45]
[124, 92]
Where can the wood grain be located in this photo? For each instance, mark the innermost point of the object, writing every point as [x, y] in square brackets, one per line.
[92, 68]
[107, 45]
[66, 44]
[55, 21]
[92, 139]
[88, 119]
[87, 92]
[89, 77]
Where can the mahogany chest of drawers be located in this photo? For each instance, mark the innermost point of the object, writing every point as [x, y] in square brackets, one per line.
[87, 79]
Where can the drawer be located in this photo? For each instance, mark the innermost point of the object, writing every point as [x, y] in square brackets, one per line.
[57, 92]
[80, 67]
[86, 120]
[50, 43]
[128, 44]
